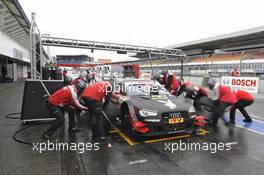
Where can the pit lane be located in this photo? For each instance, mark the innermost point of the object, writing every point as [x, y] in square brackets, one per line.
[245, 157]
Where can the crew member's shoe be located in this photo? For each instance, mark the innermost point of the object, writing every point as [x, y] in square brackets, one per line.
[230, 123]
[74, 129]
[247, 120]
[104, 142]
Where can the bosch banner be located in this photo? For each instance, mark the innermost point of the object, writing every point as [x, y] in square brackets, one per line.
[249, 84]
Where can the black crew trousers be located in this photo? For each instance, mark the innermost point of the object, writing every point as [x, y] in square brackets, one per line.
[95, 108]
[58, 114]
[241, 104]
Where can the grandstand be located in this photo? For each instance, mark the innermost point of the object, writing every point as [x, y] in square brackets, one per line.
[220, 64]
[219, 55]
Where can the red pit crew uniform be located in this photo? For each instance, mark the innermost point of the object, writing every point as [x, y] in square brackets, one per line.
[225, 100]
[244, 99]
[172, 84]
[235, 73]
[95, 96]
[60, 101]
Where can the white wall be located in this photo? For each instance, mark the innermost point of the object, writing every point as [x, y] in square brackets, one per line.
[261, 86]
[7, 46]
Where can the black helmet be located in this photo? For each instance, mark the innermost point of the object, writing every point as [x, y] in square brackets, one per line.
[80, 85]
[211, 84]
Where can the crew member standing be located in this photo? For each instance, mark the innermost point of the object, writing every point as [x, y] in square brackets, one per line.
[171, 83]
[235, 72]
[225, 99]
[244, 99]
[64, 99]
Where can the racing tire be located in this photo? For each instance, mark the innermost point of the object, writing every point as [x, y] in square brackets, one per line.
[205, 107]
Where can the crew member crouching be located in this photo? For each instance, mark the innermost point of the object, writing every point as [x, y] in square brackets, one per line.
[244, 99]
[195, 93]
[224, 100]
[64, 99]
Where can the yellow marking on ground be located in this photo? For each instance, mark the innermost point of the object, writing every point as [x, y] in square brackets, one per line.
[168, 138]
[202, 132]
[125, 137]
[131, 142]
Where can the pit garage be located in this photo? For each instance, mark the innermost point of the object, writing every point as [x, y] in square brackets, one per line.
[163, 140]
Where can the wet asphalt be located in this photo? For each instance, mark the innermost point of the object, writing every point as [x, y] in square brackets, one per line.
[245, 157]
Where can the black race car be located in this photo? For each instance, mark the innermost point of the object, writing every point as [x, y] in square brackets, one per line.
[147, 108]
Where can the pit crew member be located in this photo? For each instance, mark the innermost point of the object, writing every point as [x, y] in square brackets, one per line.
[244, 99]
[224, 100]
[95, 97]
[63, 99]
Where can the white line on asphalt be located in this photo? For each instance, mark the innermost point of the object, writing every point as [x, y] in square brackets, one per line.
[232, 143]
[260, 119]
[261, 133]
[138, 161]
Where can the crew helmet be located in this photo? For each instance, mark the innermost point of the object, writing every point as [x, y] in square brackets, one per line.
[211, 84]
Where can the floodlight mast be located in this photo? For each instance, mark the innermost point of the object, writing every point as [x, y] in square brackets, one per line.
[36, 55]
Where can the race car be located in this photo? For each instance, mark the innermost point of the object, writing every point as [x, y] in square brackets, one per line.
[147, 108]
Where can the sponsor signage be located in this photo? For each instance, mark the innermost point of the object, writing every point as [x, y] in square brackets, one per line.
[249, 84]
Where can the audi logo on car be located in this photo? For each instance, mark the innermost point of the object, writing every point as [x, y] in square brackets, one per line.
[177, 114]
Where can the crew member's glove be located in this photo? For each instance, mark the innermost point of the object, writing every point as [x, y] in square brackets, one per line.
[121, 99]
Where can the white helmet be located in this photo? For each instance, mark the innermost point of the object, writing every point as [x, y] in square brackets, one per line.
[83, 74]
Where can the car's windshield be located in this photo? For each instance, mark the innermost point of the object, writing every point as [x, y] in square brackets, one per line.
[146, 89]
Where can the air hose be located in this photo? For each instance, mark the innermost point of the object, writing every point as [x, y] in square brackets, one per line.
[21, 141]
[20, 130]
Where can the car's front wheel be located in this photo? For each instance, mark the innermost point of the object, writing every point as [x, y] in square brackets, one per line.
[205, 107]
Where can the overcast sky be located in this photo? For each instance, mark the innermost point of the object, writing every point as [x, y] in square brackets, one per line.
[157, 23]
